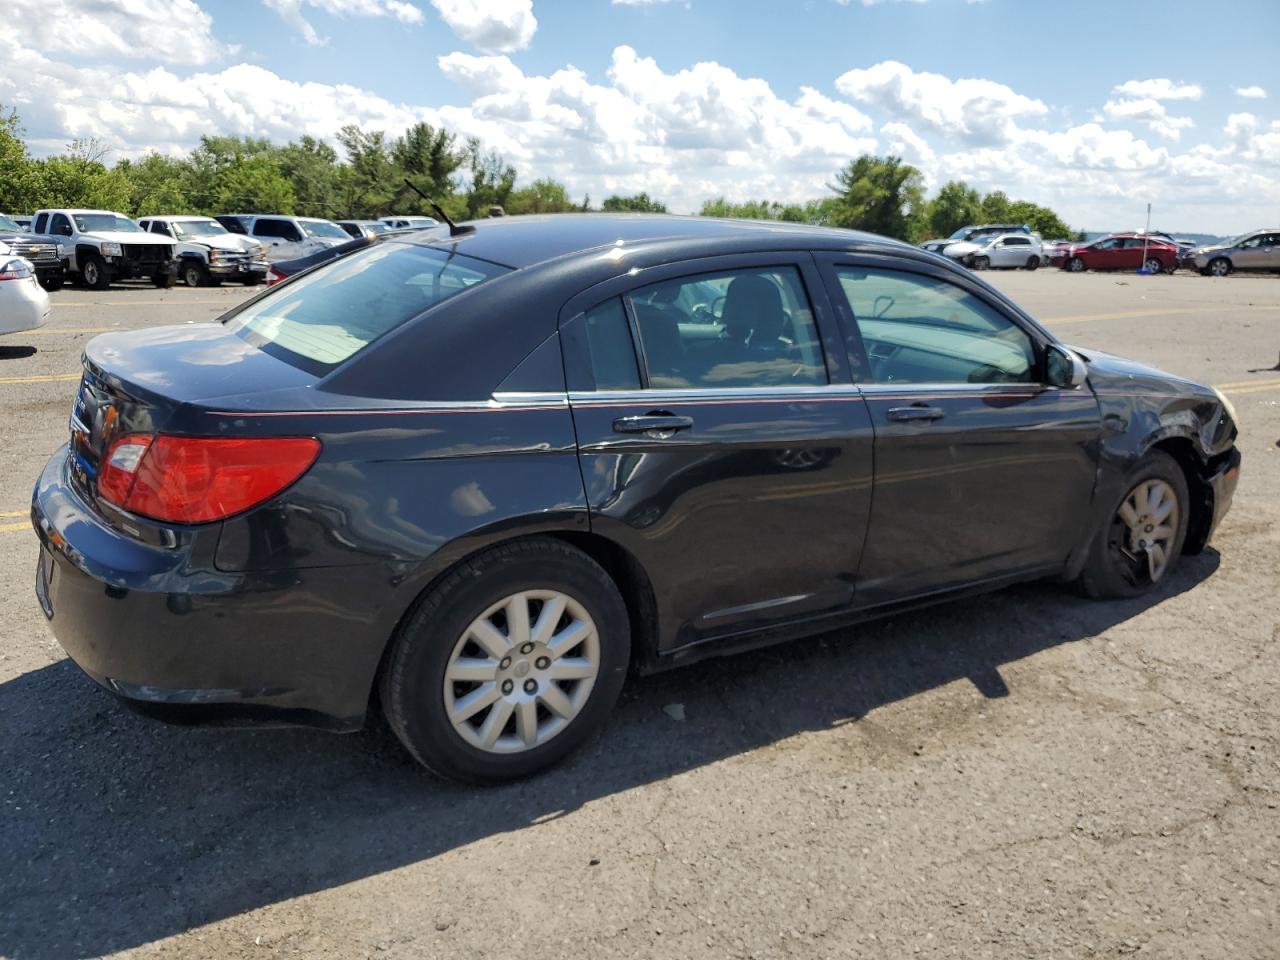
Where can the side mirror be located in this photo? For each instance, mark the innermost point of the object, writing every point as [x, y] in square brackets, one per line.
[1064, 368]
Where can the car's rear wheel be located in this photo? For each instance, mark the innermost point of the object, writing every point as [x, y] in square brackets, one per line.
[981, 263]
[1033, 263]
[1219, 267]
[194, 274]
[93, 272]
[1075, 265]
[508, 663]
[1144, 532]
[1154, 265]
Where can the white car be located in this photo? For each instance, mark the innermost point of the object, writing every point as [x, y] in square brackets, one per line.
[24, 305]
[408, 222]
[1009, 251]
[208, 252]
[285, 237]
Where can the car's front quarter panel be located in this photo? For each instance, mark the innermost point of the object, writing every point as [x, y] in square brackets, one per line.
[1143, 409]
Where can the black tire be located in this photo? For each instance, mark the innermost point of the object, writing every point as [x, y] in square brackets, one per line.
[981, 263]
[412, 680]
[256, 280]
[1033, 263]
[1219, 267]
[94, 273]
[52, 284]
[1075, 265]
[194, 273]
[163, 280]
[1110, 572]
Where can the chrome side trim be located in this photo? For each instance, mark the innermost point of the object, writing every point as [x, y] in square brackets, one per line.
[830, 391]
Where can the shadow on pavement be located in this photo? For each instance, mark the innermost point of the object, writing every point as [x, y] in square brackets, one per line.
[16, 352]
[118, 831]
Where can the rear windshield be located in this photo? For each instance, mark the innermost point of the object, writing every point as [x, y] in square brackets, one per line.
[329, 314]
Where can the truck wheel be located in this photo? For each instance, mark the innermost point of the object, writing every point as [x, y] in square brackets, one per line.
[52, 283]
[163, 280]
[194, 274]
[93, 272]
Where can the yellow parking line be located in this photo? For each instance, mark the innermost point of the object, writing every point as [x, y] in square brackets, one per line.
[1135, 314]
[14, 527]
[44, 378]
[1248, 383]
[15, 513]
[1256, 388]
[45, 331]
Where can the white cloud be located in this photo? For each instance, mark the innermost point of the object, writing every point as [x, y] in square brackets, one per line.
[291, 11]
[1159, 89]
[1150, 112]
[979, 112]
[907, 144]
[171, 31]
[1251, 93]
[495, 26]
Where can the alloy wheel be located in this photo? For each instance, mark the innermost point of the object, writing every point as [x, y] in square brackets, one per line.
[1075, 265]
[1149, 515]
[1220, 268]
[522, 671]
[1154, 266]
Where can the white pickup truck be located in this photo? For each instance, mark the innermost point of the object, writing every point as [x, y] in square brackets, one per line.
[101, 246]
[208, 252]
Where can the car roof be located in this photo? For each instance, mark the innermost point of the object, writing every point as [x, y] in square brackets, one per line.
[114, 213]
[527, 240]
[176, 218]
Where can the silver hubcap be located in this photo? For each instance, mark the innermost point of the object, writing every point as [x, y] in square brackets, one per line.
[522, 671]
[1150, 512]
[90, 273]
[1219, 268]
[1077, 266]
[1153, 266]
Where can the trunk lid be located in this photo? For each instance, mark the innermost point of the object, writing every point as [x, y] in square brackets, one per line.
[148, 381]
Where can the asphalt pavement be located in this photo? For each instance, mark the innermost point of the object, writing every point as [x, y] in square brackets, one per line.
[1027, 774]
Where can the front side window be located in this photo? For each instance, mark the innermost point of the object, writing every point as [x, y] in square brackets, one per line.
[60, 226]
[331, 313]
[920, 330]
[736, 328]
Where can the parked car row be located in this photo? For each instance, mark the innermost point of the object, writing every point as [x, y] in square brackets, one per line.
[98, 247]
[994, 246]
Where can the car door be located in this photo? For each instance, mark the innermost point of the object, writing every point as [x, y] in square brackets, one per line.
[282, 238]
[1271, 252]
[1249, 254]
[721, 440]
[1104, 255]
[982, 470]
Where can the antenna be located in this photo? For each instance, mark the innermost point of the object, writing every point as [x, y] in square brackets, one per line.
[454, 229]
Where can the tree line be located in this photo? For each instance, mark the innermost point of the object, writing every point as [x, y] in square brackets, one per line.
[309, 177]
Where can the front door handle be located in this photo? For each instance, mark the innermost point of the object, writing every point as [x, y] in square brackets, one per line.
[654, 424]
[915, 412]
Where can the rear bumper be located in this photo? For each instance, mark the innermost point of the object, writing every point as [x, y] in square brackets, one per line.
[163, 628]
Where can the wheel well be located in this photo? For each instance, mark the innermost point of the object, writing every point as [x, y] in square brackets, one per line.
[83, 250]
[632, 581]
[1184, 453]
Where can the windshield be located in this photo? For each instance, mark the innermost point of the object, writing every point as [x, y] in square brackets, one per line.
[7, 224]
[331, 313]
[323, 228]
[185, 229]
[89, 222]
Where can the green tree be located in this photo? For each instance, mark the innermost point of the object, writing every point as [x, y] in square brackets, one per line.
[19, 180]
[429, 157]
[639, 203]
[956, 205]
[996, 208]
[541, 196]
[492, 180]
[881, 195]
[816, 212]
[157, 185]
[73, 181]
[311, 168]
[368, 180]
[253, 183]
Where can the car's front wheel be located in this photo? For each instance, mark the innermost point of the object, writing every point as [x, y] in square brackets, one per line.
[981, 263]
[508, 663]
[1219, 267]
[1075, 265]
[1143, 535]
[93, 272]
[194, 274]
[1154, 265]
[1033, 263]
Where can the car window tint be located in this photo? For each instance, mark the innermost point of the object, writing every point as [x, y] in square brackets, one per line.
[335, 310]
[920, 330]
[60, 225]
[232, 224]
[738, 328]
[613, 355]
[276, 228]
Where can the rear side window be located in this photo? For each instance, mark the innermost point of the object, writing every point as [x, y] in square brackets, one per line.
[40, 222]
[737, 328]
[321, 319]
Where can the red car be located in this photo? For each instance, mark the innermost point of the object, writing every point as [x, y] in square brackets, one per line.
[1120, 251]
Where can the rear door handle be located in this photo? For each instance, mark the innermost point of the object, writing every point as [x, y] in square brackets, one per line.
[660, 424]
[920, 412]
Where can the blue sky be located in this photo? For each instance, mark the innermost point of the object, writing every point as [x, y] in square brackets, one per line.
[1093, 108]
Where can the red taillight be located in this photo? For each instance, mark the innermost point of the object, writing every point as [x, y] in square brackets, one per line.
[273, 277]
[199, 479]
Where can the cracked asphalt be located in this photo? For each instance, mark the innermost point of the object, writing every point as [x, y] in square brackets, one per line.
[1027, 774]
